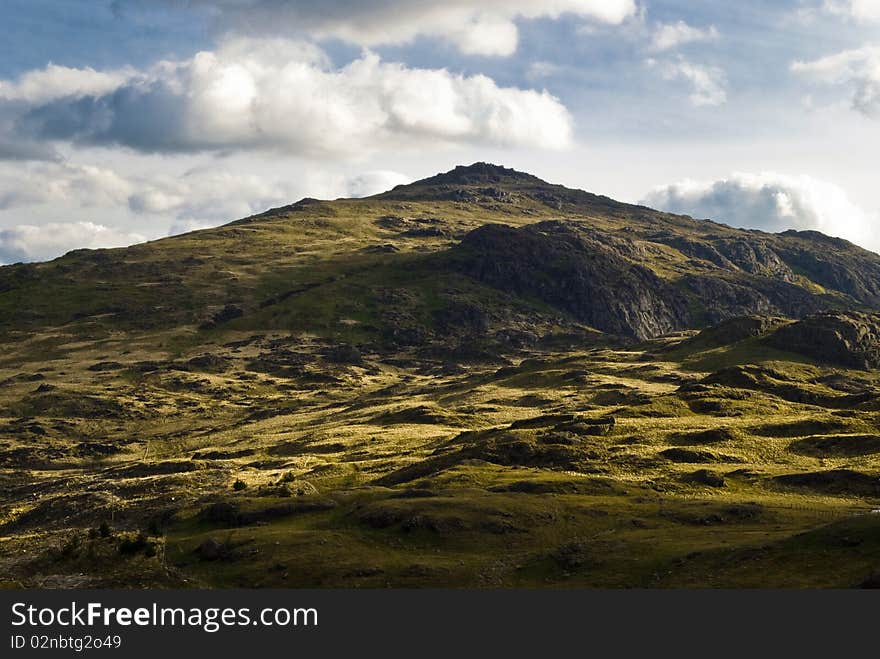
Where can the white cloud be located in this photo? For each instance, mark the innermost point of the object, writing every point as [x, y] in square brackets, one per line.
[858, 69]
[842, 65]
[211, 196]
[771, 202]
[486, 35]
[374, 182]
[207, 193]
[708, 83]
[672, 35]
[283, 95]
[205, 198]
[53, 82]
[26, 242]
[543, 69]
[861, 10]
[477, 27]
[187, 226]
[62, 184]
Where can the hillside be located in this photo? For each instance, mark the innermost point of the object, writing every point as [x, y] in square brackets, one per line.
[476, 379]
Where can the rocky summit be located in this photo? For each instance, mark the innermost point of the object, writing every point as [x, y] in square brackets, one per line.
[478, 379]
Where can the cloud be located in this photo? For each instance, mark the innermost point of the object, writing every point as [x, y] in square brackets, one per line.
[211, 196]
[543, 69]
[63, 184]
[285, 96]
[209, 193]
[771, 202]
[476, 27]
[671, 35]
[203, 199]
[374, 182]
[857, 69]
[860, 10]
[25, 149]
[36, 243]
[486, 35]
[708, 83]
[53, 82]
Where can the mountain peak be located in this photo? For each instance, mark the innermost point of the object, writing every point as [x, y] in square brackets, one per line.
[480, 173]
[485, 182]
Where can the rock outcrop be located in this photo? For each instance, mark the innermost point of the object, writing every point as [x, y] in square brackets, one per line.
[850, 339]
[833, 263]
[736, 329]
[577, 270]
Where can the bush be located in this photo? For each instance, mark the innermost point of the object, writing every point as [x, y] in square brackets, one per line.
[140, 543]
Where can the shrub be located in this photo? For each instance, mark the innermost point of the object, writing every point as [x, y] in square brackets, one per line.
[140, 543]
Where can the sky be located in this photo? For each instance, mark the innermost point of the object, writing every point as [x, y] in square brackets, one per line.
[130, 120]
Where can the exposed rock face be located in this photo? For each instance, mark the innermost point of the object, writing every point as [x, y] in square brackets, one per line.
[725, 298]
[577, 270]
[833, 263]
[848, 339]
[607, 281]
[755, 257]
[693, 248]
[758, 273]
[726, 295]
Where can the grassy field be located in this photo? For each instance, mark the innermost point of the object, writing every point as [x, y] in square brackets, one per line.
[590, 468]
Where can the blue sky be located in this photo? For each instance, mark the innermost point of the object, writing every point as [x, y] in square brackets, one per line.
[132, 119]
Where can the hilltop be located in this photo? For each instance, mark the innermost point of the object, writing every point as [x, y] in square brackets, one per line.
[479, 378]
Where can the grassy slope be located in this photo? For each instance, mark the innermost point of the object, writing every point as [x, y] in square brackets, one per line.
[149, 442]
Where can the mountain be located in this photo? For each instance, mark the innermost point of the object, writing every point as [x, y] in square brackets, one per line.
[477, 362]
[500, 234]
